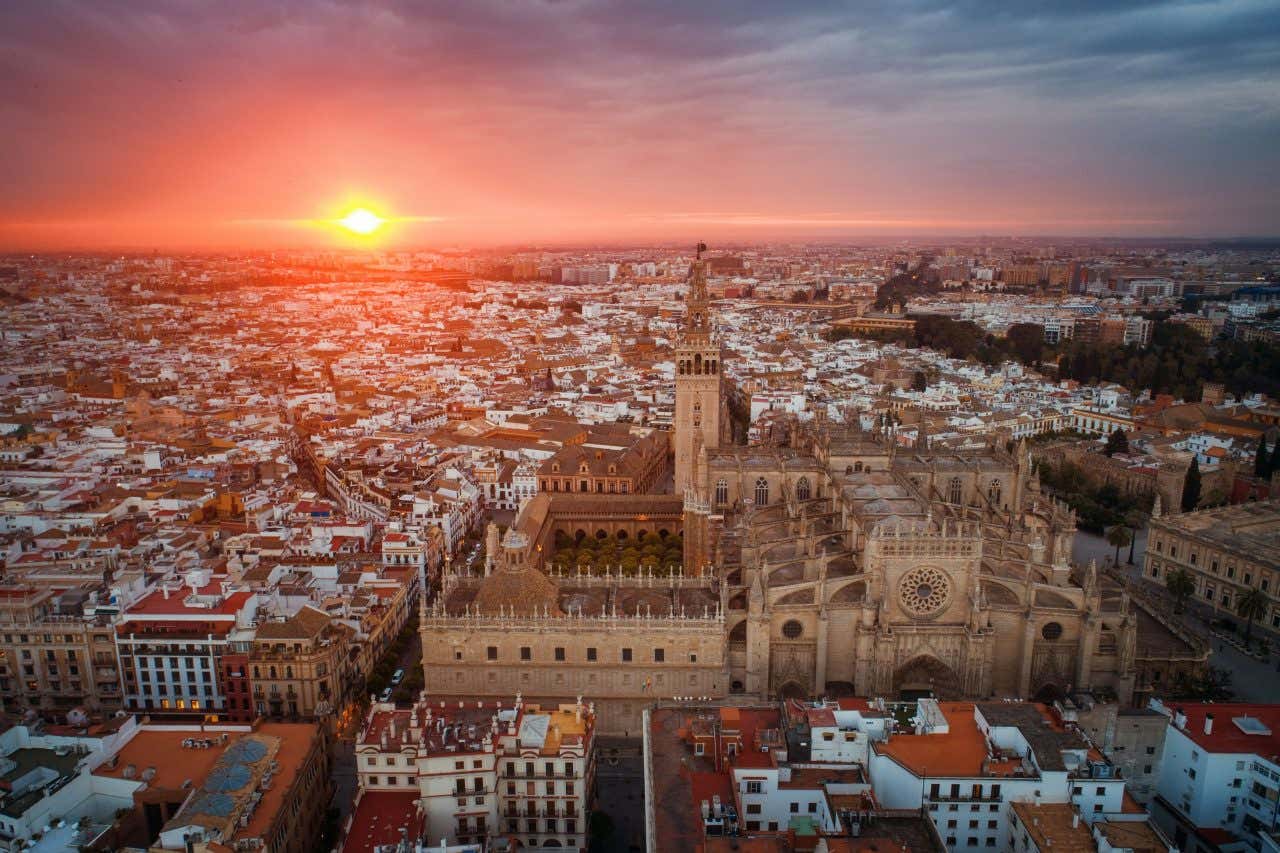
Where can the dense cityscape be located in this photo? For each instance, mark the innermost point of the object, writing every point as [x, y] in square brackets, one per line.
[951, 545]
[640, 427]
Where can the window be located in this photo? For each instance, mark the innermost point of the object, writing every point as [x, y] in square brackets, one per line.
[795, 808]
[491, 653]
[762, 492]
[722, 492]
[526, 653]
[753, 788]
[626, 655]
[994, 492]
[1051, 631]
[792, 629]
[955, 490]
[591, 653]
[559, 652]
[753, 808]
[802, 489]
[659, 655]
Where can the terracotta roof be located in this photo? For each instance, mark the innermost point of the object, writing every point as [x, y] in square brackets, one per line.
[1228, 734]
[308, 622]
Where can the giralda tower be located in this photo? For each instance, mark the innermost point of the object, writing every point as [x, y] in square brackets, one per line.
[698, 392]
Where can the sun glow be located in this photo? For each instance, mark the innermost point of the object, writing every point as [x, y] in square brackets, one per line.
[362, 221]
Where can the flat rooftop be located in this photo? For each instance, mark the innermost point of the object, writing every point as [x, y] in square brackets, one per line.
[1250, 529]
[379, 818]
[1054, 825]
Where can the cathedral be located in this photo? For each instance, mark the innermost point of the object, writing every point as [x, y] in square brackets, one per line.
[838, 562]
[851, 563]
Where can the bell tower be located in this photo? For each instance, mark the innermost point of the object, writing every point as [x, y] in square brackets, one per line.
[698, 391]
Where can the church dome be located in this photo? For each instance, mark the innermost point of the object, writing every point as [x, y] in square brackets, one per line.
[518, 590]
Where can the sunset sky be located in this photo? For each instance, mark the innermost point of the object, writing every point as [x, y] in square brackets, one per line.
[208, 125]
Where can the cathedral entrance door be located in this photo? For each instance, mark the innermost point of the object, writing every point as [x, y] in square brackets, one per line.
[793, 690]
[925, 675]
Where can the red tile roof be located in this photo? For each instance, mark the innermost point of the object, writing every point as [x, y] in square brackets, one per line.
[378, 819]
[155, 603]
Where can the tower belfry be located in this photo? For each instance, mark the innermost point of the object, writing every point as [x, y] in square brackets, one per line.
[698, 364]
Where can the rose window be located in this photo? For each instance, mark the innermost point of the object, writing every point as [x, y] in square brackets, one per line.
[924, 591]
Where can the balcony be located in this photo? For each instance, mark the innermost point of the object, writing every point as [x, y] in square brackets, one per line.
[964, 798]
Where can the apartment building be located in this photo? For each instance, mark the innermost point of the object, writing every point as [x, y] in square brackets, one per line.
[968, 762]
[772, 777]
[225, 787]
[1049, 827]
[301, 666]
[483, 770]
[52, 657]
[171, 642]
[1220, 777]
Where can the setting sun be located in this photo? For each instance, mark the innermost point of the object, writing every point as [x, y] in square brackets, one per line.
[362, 221]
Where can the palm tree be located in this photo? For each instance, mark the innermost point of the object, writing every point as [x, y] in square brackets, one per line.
[1119, 536]
[1180, 585]
[1251, 606]
[1134, 518]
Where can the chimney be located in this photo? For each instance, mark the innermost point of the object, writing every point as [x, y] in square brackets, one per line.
[1180, 718]
[1208, 724]
[1075, 820]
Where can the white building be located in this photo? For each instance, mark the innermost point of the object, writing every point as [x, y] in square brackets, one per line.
[481, 769]
[969, 762]
[1219, 772]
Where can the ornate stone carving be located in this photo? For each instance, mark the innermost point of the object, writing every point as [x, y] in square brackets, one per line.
[924, 591]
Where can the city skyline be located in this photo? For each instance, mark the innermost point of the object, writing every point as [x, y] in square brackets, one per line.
[148, 127]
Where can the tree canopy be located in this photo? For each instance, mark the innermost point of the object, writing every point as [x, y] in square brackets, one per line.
[1117, 442]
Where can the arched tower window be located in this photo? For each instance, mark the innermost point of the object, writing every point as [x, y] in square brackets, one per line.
[802, 489]
[722, 492]
[762, 492]
[955, 492]
[994, 492]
